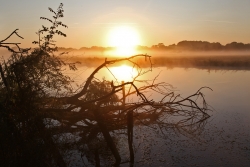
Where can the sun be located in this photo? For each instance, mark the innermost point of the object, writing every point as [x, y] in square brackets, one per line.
[124, 39]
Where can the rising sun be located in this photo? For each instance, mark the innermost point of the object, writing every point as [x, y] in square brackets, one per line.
[124, 39]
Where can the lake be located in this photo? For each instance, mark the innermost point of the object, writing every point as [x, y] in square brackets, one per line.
[225, 139]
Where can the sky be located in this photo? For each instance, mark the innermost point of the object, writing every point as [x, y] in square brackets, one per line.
[156, 21]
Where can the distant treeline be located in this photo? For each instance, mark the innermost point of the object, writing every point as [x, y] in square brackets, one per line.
[181, 46]
[203, 46]
[199, 62]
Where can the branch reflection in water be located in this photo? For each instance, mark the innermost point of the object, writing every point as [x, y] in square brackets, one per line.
[108, 124]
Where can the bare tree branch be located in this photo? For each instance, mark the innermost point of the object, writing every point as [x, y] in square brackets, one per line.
[6, 44]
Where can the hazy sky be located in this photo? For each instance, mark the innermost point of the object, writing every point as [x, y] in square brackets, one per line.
[166, 21]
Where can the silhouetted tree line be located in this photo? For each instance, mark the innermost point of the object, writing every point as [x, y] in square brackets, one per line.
[202, 46]
[181, 46]
[92, 48]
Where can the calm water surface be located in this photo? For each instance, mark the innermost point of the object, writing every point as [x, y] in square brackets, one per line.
[225, 141]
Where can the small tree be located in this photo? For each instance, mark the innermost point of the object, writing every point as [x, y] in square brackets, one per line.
[46, 34]
[27, 80]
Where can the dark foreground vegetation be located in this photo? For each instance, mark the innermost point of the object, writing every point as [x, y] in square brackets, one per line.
[40, 110]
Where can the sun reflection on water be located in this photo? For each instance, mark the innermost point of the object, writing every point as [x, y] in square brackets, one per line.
[123, 73]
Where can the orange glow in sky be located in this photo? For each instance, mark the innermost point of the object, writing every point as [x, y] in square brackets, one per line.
[158, 21]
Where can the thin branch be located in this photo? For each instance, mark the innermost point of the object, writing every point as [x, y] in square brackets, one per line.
[14, 32]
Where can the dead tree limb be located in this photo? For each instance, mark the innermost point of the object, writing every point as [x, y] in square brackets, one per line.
[7, 45]
[130, 126]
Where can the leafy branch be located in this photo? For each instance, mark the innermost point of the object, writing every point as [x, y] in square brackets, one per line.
[45, 42]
